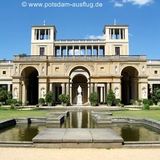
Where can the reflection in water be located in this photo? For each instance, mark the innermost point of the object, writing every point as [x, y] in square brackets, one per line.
[136, 132]
[20, 133]
[78, 119]
[130, 133]
[82, 119]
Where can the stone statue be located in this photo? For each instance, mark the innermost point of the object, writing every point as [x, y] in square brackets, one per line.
[79, 96]
[15, 93]
[117, 92]
[144, 92]
[79, 89]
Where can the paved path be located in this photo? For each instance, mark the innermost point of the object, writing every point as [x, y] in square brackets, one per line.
[78, 154]
[104, 138]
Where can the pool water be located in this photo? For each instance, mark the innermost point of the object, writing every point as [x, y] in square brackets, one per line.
[21, 132]
[129, 132]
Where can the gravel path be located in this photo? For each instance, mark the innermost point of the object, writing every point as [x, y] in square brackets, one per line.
[78, 154]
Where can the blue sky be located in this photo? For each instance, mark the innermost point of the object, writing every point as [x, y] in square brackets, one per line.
[142, 16]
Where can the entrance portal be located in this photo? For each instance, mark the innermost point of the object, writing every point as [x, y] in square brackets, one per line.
[129, 82]
[30, 77]
[82, 81]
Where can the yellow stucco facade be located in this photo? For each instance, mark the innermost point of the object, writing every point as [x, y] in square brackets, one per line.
[97, 65]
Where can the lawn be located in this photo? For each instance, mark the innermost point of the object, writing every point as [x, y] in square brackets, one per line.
[153, 114]
[8, 113]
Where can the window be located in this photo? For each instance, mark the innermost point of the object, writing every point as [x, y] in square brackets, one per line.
[117, 51]
[155, 72]
[57, 51]
[42, 34]
[42, 51]
[4, 72]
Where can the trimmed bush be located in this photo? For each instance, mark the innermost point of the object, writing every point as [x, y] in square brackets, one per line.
[93, 98]
[110, 99]
[146, 104]
[64, 99]
[49, 98]
[3, 95]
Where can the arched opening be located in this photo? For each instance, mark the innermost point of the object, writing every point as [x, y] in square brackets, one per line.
[79, 76]
[30, 77]
[82, 81]
[129, 82]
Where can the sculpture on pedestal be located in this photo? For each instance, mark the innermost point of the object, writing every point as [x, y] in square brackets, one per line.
[79, 96]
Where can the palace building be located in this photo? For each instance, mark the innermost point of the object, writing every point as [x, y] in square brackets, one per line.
[97, 65]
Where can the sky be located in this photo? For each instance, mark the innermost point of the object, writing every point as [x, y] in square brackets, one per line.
[80, 19]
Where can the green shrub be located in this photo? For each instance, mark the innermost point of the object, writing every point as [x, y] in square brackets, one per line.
[146, 104]
[110, 99]
[3, 95]
[64, 99]
[49, 98]
[93, 98]
[156, 96]
[41, 101]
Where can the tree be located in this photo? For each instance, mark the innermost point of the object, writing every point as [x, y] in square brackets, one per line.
[64, 99]
[110, 99]
[3, 95]
[49, 98]
[156, 96]
[93, 98]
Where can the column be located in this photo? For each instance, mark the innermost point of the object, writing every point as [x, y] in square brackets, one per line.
[92, 88]
[105, 89]
[95, 89]
[67, 89]
[9, 87]
[50, 87]
[85, 50]
[108, 87]
[45, 34]
[70, 93]
[39, 35]
[114, 34]
[88, 92]
[79, 50]
[23, 93]
[110, 37]
[60, 50]
[98, 53]
[123, 33]
[101, 94]
[66, 50]
[63, 88]
[92, 50]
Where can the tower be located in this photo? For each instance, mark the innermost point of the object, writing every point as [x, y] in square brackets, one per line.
[42, 40]
[117, 41]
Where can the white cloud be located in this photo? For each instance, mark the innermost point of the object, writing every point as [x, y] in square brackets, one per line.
[121, 3]
[95, 37]
[117, 4]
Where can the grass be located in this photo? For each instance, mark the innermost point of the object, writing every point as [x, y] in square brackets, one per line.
[8, 113]
[151, 114]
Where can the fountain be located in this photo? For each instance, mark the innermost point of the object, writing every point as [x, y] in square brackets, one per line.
[79, 96]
